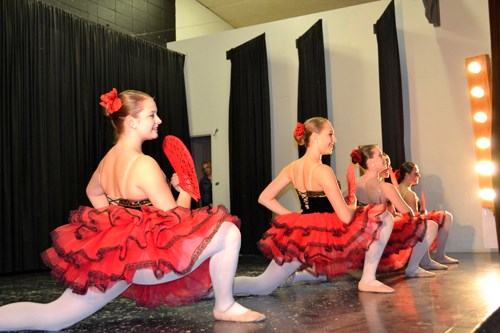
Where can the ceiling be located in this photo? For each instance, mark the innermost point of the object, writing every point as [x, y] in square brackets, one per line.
[243, 13]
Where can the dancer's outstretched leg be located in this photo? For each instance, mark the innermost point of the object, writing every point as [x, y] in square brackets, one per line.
[307, 276]
[443, 233]
[65, 311]
[369, 280]
[267, 282]
[419, 251]
[71, 308]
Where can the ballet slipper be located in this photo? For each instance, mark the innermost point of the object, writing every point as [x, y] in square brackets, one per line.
[375, 286]
[434, 266]
[238, 313]
[446, 260]
[419, 273]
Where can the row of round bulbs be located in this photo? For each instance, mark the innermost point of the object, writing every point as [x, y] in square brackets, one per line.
[486, 168]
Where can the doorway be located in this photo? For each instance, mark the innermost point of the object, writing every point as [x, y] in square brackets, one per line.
[201, 149]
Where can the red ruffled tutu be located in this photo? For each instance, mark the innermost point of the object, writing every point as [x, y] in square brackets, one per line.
[100, 246]
[437, 216]
[407, 232]
[322, 241]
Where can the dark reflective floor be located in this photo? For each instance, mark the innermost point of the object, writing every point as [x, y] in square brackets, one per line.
[458, 300]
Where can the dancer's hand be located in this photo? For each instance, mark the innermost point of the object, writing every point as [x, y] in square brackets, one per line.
[175, 182]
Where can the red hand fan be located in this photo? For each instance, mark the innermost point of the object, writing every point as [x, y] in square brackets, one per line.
[351, 183]
[422, 201]
[394, 181]
[183, 165]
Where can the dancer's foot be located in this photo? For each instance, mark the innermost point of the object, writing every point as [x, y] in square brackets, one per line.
[433, 266]
[446, 260]
[418, 273]
[238, 313]
[374, 286]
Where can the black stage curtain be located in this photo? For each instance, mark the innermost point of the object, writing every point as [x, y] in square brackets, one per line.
[494, 9]
[249, 139]
[54, 67]
[391, 96]
[312, 78]
[432, 12]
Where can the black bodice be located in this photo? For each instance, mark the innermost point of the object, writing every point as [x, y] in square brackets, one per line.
[314, 202]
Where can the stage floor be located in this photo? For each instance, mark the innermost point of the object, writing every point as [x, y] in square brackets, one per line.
[457, 300]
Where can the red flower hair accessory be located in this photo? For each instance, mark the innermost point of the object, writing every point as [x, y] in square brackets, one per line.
[299, 131]
[397, 174]
[356, 156]
[111, 101]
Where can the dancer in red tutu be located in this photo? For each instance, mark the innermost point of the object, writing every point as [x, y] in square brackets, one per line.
[137, 240]
[384, 174]
[409, 175]
[328, 237]
[412, 233]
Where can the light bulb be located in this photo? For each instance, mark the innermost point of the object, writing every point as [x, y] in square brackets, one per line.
[480, 117]
[483, 143]
[487, 194]
[477, 92]
[485, 168]
[474, 67]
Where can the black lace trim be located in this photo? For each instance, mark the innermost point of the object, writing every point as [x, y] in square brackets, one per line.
[129, 203]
